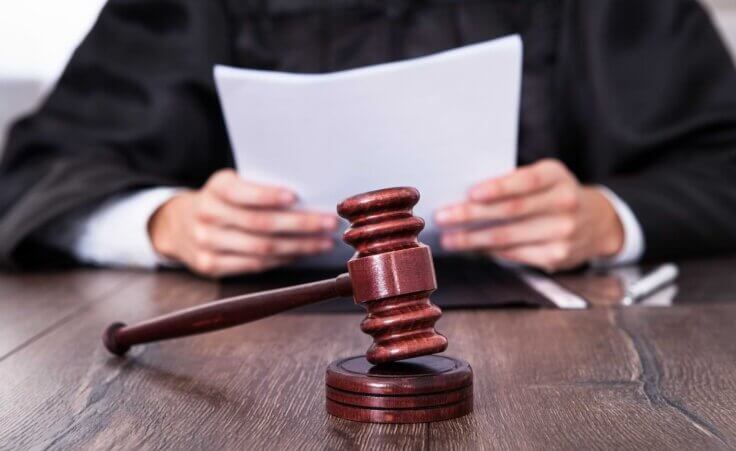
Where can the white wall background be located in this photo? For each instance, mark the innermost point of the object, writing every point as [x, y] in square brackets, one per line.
[37, 38]
[39, 35]
[723, 13]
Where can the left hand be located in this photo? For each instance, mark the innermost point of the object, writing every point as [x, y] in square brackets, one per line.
[543, 217]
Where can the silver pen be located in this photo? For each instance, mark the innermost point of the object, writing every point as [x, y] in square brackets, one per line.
[650, 283]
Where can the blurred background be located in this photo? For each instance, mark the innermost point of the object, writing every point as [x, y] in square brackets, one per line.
[39, 36]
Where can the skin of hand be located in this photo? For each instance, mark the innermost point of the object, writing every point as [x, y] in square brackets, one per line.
[233, 226]
[539, 215]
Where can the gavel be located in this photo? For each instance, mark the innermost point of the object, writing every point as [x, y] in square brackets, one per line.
[391, 275]
[400, 379]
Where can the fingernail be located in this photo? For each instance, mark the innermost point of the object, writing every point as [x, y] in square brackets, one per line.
[329, 222]
[481, 192]
[287, 197]
[477, 193]
[326, 245]
[448, 241]
[443, 216]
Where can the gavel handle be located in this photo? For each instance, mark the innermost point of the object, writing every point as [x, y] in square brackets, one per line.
[118, 337]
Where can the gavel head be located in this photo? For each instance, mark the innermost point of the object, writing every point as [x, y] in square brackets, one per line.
[392, 274]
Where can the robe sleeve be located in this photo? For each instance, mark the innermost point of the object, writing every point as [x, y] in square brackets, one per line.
[135, 107]
[649, 110]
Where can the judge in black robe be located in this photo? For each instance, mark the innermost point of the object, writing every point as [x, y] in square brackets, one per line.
[639, 96]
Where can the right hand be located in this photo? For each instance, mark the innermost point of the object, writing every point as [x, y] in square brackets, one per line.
[232, 226]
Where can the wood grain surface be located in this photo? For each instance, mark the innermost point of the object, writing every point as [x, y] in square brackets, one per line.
[610, 378]
[32, 304]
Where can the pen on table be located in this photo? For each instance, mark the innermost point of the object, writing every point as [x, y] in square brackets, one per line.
[650, 283]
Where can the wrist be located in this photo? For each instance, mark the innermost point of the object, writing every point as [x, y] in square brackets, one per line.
[161, 227]
[609, 235]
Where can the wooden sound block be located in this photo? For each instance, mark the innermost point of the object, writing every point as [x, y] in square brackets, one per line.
[417, 390]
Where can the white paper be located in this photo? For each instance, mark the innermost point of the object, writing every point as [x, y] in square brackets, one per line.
[439, 123]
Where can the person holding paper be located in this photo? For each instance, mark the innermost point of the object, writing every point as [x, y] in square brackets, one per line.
[233, 226]
[627, 142]
[554, 222]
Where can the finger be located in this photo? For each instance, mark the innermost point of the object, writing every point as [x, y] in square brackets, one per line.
[221, 265]
[228, 186]
[532, 230]
[266, 222]
[559, 199]
[525, 180]
[547, 256]
[234, 241]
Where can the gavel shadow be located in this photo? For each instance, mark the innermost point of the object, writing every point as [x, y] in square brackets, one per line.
[463, 283]
[188, 386]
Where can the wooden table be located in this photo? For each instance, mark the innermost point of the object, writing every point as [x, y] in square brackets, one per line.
[606, 377]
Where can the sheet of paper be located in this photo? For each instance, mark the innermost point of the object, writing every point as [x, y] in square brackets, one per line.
[439, 123]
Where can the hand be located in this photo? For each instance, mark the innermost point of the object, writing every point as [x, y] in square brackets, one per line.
[543, 217]
[232, 226]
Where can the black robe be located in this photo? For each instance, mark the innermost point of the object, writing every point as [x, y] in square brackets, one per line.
[636, 95]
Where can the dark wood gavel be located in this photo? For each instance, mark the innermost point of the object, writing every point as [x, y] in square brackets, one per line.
[391, 276]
